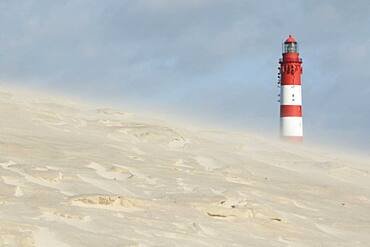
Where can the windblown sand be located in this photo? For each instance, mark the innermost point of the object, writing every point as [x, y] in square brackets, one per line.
[76, 175]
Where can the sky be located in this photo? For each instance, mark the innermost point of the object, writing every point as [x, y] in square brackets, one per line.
[212, 60]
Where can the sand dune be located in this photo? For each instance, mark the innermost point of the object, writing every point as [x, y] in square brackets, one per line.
[75, 175]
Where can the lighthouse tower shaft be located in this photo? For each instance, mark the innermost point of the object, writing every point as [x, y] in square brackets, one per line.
[291, 125]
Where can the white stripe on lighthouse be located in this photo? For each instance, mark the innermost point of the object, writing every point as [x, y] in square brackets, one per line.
[291, 95]
[291, 126]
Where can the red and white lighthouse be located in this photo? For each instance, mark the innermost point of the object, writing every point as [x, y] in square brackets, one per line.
[291, 125]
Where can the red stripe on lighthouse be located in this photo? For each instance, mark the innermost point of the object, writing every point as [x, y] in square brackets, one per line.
[290, 111]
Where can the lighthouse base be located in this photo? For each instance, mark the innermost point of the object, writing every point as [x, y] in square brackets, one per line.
[292, 139]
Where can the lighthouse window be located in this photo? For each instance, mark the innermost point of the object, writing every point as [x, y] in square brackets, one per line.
[290, 47]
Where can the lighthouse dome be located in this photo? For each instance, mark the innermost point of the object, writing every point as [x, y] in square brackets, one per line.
[290, 39]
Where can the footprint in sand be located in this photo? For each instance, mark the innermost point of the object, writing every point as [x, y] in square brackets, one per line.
[65, 217]
[181, 163]
[137, 158]
[110, 202]
[16, 182]
[236, 208]
[114, 172]
[203, 230]
[239, 180]
[207, 163]
[109, 179]
[184, 186]
[146, 179]
[18, 192]
[40, 176]
[227, 209]
[178, 142]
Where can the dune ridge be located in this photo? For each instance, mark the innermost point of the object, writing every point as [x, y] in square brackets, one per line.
[72, 174]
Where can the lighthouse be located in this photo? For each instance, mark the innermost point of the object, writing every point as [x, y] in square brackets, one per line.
[290, 71]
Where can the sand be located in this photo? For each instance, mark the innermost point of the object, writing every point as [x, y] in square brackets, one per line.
[73, 174]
